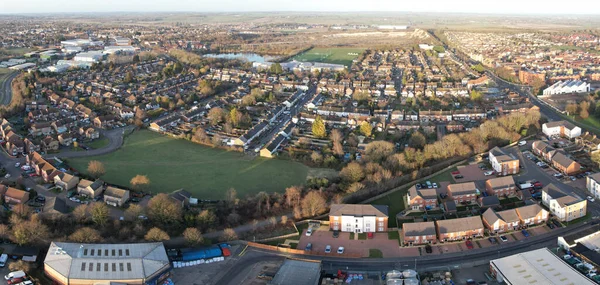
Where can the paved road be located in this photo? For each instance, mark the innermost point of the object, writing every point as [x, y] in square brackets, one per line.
[6, 89]
[115, 138]
[463, 259]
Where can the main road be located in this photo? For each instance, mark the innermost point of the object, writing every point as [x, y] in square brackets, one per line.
[422, 263]
[6, 89]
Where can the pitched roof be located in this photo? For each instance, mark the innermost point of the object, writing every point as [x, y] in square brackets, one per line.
[595, 177]
[530, 211]
[115, 192]
[561, 158]
[462, 188]
[490, 216]
[508, 216]
[567, 125]
[358, 210]
[16, 193]
[426, 194]
[107, 261]
[568, 201]
[55, 205]
[459, 225]
[501, 182]
[418, 229]
[489, 201]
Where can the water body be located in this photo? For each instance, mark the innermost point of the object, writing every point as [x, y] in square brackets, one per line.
[251, 57]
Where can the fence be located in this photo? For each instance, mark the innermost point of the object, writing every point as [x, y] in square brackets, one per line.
[279, 237]
[298, 251]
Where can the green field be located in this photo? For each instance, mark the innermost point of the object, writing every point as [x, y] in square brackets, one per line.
[330, 55]
[206, 172]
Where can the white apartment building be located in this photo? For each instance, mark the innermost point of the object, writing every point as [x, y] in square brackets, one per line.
[593, 184]
[565, 207]
[569, 86]
[561, 128]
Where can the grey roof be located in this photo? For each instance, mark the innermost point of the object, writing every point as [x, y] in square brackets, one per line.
[570, 239]
[561, 158]
[298, 272]
[555, 124]
[418, 229]
[595, 177]
[111, 262]
[55, 205]
[489, 201]
[358, 210]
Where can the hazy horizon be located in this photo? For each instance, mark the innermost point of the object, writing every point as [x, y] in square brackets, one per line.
[508, 7]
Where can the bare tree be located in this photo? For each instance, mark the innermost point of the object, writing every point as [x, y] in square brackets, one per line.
[353, 172]
[228, 235]
[140, 182]
[292, 195]
[96, 168]
[313, 204]
[156, 234]
[193, 237]
[85, 235]
[162, 209]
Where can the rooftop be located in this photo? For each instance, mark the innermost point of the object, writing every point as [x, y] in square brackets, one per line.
[298, 272]
[539, 266]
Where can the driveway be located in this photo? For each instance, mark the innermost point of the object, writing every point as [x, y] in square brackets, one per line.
[115, 138]
[471, 172]
[321, 238]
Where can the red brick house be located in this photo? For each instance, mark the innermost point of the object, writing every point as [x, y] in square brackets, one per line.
[419, 199]
[419, 233]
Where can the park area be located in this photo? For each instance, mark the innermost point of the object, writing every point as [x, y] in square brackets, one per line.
[206, 172]
[343, 56]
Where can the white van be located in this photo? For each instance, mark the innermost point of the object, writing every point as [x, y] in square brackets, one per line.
[3, 259]
[522, 143]
[15, 274]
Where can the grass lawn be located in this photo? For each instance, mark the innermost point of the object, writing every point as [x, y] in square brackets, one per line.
[375, 253]
[395, 235]
[206, 172]
[330, 55]
[99, 143]
[395, 203]
[351, 236]
[362, 236]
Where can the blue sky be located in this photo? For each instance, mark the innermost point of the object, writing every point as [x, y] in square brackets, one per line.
[461, 6]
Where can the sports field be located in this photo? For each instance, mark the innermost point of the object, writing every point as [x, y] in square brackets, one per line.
[206, 172]
[330, 55]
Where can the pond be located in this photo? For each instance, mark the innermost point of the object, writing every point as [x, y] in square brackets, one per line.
[251, 57]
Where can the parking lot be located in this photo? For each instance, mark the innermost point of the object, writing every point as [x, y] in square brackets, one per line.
[204, 273]
[470, 173]
[322, 237]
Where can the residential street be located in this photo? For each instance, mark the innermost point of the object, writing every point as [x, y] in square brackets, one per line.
[6, 89]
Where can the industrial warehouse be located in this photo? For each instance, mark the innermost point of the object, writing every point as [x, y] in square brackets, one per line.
[539, 266]
[83, 264]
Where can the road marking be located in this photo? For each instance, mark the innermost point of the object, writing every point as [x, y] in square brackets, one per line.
[243, 251]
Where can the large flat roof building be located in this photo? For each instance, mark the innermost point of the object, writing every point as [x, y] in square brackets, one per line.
[539, 266]
[298, 272]
[83, 264]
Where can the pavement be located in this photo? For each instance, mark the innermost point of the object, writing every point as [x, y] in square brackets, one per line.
[6, 89]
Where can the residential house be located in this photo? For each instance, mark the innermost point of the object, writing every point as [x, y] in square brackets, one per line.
[564, 206]
[358, 218]
[40, 129]
[564, 164]
[55, 206]
[590, 142]
[115, 196]
[463, 192]
[488, 202]
[15, 196]
[532, 214]
[66, 181]
[561, 128]
[502, 163]
[49, 144]
[14, 144]
[502, 221]
[593, 184]
[182, 197]
[541, 148]
[501, 186]
[459, 229]
[421, 199]
[104, 121]
[65, 139]
[90, 189]
[31, 146]
[419, 233]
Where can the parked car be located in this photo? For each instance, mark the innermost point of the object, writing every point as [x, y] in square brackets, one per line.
[340, 250]
[493, 240]
[522, 143]
[7, 175]
[308, 247]
[572, 178]
[469, 244]
[488, 173]
[557, 223]
[550, 225]
[15, 280]
[455, 172]
[328, 249]
[503, 238]
[370, 235]
[17, 164]
[266, 276]
[525, 233]
[435, 185]
[309, 232]
[336, 234]
[458, 177]
[591, 199]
